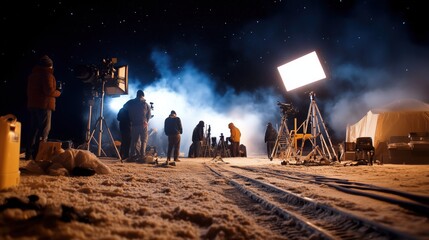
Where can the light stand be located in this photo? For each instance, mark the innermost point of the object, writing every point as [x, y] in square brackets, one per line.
[206, 144]
[318, 133]
[297, 73]
[88, 126]
[99, 126]
[85, 145]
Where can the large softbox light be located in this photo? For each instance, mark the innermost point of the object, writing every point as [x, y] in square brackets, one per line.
[301, 71]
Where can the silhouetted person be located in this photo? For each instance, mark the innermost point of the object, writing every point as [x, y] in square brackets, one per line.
[125, 129]
[173, 129]
[197, 139]
[270, 138]
[243, 151]
[41, 95]
[139, 112]
[234, 139]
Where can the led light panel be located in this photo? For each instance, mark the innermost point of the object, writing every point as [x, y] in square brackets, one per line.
[301, 71]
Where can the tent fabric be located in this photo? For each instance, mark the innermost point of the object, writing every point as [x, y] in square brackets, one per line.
[404, 105]
[364, 128]
[396, 119]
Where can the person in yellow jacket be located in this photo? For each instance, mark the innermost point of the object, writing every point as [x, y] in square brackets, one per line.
[235, 140]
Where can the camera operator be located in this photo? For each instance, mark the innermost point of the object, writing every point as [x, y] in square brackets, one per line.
[270, 138]
[139, 112]
[197, 139]
[41, 95]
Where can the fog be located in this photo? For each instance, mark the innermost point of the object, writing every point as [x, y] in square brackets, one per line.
[192, 94]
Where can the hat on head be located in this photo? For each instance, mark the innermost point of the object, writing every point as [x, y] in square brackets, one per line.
[45, 61]
[173, 112]
[140, 93]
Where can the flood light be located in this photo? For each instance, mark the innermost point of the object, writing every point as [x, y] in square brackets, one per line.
[118, 84]
[113, 80]
[301, 71]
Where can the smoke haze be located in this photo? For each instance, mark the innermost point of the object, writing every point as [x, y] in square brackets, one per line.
[191, 93]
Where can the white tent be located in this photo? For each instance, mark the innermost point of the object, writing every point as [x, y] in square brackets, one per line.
[396, 119]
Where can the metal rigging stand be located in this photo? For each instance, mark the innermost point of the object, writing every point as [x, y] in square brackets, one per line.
[284, 146]
[320, 140]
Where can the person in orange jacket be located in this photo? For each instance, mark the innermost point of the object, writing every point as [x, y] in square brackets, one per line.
[41, 95]
[234, 139]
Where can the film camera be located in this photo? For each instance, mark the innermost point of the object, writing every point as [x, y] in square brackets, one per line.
[287, 108]
[113, 80]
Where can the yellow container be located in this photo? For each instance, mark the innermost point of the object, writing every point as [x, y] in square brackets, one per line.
[10, 135]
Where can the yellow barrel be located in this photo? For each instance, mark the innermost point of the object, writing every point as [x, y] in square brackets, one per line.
[10, 139]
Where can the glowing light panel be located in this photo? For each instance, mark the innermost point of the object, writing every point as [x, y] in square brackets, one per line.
[301, 71]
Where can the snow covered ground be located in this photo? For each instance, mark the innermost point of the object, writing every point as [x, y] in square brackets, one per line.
[186, 201]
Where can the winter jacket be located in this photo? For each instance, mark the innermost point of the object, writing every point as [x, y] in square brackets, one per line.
[139, 111]
[124, 119]
[198, 133]
[235, 133]
[172, 125]
[41, 88]
[270, 133]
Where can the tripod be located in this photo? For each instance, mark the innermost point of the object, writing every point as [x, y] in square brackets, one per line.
[99, 126]
[284, 142]
[221, 148]
[319, 133]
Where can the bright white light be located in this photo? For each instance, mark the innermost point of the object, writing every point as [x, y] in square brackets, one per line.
[116, 103]
[301, 71]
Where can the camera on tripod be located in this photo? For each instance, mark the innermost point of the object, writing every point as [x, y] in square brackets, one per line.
[287, 108]
[107, 77]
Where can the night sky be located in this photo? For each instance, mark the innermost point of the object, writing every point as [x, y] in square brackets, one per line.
[217, 60]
